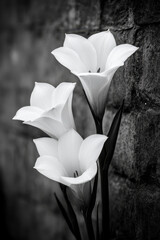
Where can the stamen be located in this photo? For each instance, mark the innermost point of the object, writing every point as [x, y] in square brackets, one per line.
[76, 174]
[98, 70]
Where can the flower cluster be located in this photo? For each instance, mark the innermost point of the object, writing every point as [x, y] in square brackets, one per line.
[64, 156]
[65, 153]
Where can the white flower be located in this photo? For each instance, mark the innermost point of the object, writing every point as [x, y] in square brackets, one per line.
[69, 160]
[50, 109]
[94, 61]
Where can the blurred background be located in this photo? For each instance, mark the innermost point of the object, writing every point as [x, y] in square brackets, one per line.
[29, 31]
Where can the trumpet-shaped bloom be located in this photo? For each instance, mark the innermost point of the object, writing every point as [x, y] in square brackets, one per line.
[94, 61]
[69, 160]
[50, 109]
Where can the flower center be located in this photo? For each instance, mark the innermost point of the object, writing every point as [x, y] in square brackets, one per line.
[76, 174]
[99, 69]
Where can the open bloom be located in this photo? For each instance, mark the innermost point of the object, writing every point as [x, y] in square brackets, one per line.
[94, 61]
[69, 160]
[50, 109]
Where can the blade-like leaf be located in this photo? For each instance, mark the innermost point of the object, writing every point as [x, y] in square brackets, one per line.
[64, 213]
[88, 212]
[97, 223]
[71, 213]
[112, 137]
[93, 195]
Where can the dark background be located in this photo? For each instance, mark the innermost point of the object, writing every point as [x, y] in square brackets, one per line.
[29, 31]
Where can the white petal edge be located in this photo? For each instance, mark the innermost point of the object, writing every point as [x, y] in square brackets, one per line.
[28, 113]
[86, 176]
[50, 126]
[62, 93]
[70, 59]
[119, 55]
[103, 42]
[84, 49]
[51, 168]
[41, 96]
[47, 146]
[90, 150]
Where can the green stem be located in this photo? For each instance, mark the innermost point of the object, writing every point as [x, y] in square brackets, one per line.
[72, 214]
[99, 128]
[89, 226]
[104, 190]
[105, 205]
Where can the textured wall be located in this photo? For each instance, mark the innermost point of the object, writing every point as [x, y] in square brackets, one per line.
[30, 30]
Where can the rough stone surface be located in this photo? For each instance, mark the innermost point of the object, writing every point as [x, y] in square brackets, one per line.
[30, 30]
[134, 209]
[139, 159]
[117, 14]
[145, 12]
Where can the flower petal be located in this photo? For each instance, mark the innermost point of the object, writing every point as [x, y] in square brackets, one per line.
[28, 113]
[42, 96]
[62, 93]
[54, 113]
[62, 113]
[103, 42]
[68, 150]
[111, 71]
[51, 168]
[70, 59]
[84, 49]
[46, 146]
[119, 55]
[50, 126]
[103, 90]
[90, 150]
[87, 176]
[92, 83]
[67, 114]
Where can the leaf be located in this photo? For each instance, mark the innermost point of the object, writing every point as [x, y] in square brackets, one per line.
[71, 213]
[97, 223]
[88, 212]
[112, 137]
[64, 213]
[93, 195]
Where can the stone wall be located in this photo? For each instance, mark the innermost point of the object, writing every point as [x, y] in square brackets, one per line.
[30, 30]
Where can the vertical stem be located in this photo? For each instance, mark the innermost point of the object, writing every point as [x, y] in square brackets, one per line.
[99, 127]
[104, 190]
[89, 226]
[72, 213]
[105, 205]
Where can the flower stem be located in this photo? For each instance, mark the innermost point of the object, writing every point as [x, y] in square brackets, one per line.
[72, 214]
[99, 128]
[89, 226]
[104, 189]
[105, 205]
